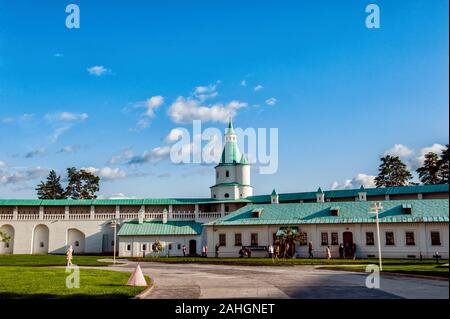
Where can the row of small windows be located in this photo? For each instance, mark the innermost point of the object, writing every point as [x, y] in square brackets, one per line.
[409, 238]
[303, 239]
[153, 247]
[238, 239]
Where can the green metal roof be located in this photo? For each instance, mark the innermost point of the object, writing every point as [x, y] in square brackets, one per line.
[401, 190]
[133, 228]
[430, 210]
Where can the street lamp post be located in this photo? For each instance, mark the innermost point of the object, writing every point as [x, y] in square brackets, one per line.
[377, 207]
[114, 224]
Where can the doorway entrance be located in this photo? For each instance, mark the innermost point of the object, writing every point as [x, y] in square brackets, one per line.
[348, 243]
[192, 247]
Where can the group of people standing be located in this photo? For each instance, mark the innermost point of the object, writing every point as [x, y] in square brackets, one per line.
[347, 251]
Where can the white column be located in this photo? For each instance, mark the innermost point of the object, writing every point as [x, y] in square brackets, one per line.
[117, 212]
[41, 212]
[170, 212]
[222, 209]
[386, 197]
[15, 212]
[196, 211]
[92, 212]
[66, 212]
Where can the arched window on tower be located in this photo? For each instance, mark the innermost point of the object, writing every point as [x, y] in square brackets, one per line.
[226, 195]
[217, 174]
[227, 173]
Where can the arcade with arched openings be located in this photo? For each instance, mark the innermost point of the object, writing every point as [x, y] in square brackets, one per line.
[76, 239]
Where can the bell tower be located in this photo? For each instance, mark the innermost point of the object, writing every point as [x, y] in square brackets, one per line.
[233, 170]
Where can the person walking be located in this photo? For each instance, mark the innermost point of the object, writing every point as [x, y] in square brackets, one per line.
[184, 250]
[203, 251]
[270, 250]
[328, 253]
[277, 251]
[341, 251]
[217, 251]
[206, 251]
[354, 251]
[310, 249]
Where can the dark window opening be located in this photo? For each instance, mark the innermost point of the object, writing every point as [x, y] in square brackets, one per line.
[435, 238]
[324, 239]
[227, 174]
[254, 239]
[410, 239]
[226, 195]
[390, 239]
[222, 239]
[334, 239]
[238, 239]
[370, 240]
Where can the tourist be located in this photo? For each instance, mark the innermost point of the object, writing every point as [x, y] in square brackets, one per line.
[184, 250]
[217, 251]
[310, 249]
[206, 250]
[277, 250]
[270, 250]
[354, 251]
[341, 251]
[328, 251]
[241, 252]
[203, 251]
[69, 255]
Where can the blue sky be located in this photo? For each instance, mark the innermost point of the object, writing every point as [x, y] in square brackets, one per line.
[345, 94]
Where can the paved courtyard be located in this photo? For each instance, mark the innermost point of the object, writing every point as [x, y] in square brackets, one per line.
[181, 281]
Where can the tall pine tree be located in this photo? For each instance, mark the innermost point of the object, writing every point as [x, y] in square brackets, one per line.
[429, 171]
[443, 166]
[82, 184]
[51, 189]
[392, 172]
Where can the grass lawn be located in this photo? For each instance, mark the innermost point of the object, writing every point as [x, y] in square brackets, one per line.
[49, 260]
[43, 282]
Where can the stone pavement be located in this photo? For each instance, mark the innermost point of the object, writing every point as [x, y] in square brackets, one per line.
[188, 281]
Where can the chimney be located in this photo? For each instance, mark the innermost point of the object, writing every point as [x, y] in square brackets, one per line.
[274, 197]
[362, 194]
[320, 196]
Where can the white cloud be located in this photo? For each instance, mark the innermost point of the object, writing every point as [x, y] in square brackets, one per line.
[20, 175]
[155, 155]
[26, 117]
[107, 173]
[173, 135]
[58, 132]
[435, 148]
[205, 92]
[58, 55]
[244, 83]
[151, 104]
[399, 150]
[413, 158]
[67, 117]
[37, 152]
[2, 164]
[257, 88]
[186, 110]
[98, 70]
[69, 149]
[126, 155]
[272, 101]
[117, 196]
[368, 181]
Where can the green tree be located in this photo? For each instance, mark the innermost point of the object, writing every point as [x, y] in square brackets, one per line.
[289, 237]
[81, 184]
[443, 166]
[157, 247]
[429, 171]
[392, 172]
[51, 189]
[4, 238]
